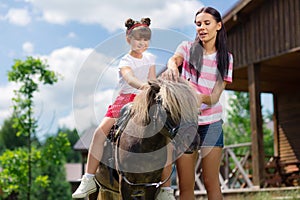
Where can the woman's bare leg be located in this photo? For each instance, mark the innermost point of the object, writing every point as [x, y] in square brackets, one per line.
[211, 159]
[185, 166]
[168, 166]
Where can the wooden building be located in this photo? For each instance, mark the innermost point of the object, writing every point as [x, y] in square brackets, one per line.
[264, 37]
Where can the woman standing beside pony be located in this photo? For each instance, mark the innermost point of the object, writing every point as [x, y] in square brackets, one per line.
[135, 69]
[208, 66]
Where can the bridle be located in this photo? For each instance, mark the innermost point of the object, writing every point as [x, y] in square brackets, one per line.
[172, 130]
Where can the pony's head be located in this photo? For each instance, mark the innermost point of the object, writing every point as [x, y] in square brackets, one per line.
[171, 107]
[179, 99]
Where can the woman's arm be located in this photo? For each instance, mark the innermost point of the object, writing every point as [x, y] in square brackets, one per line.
[131, 79]
[172, 72]
[215, 95]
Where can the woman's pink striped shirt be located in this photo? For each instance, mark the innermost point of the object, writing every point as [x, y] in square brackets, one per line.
[205, 82]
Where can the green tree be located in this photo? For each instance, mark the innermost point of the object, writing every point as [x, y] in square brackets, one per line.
[49, 172]
[8, 137]
[14, 174]
[73, 137]
[238, 126]
[29, 74]
[54, 153]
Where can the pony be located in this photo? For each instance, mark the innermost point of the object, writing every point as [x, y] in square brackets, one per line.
[163, 116]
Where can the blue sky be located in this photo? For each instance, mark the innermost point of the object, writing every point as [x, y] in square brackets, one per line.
[79, 39]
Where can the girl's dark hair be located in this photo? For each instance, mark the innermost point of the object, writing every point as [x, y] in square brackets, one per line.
[138, 29]
[196, 51]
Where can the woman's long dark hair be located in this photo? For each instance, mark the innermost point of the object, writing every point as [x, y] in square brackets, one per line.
[196, 51]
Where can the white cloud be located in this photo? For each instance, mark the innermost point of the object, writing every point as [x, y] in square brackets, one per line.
[72, 35]
[6, 100]
[28, 48]
[18, 17]
[91, 113]
[67, 121]
[111, 14]
[74, 100]
[81, 95]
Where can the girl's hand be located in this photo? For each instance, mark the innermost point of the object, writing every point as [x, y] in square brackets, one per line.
[145, 86]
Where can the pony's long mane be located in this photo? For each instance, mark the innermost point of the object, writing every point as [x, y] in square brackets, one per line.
[174, 100]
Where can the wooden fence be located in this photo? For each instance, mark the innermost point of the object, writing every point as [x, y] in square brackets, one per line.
[235, 172]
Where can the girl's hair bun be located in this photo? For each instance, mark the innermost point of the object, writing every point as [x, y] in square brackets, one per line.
[129, 23]
[146, 21]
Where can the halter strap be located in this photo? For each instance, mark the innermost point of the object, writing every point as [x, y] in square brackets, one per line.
[157, 185]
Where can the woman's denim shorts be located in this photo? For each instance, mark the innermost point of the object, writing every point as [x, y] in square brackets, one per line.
[211, 135]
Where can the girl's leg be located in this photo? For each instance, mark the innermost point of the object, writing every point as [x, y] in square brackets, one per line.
[185, 166]
[88, 185]
[97, 144]
[211, 159]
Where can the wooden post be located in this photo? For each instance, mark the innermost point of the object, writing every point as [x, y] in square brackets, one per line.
[256, 125]
[83, 161]
[276, 131]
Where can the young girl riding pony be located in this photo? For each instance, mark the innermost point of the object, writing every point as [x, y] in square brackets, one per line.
[135, 69]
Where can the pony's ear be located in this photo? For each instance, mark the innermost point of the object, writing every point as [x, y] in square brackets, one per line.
[152, 92]
[154, 86]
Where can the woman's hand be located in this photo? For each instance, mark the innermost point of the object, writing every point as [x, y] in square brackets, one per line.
[171, 74]
[200, 99]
